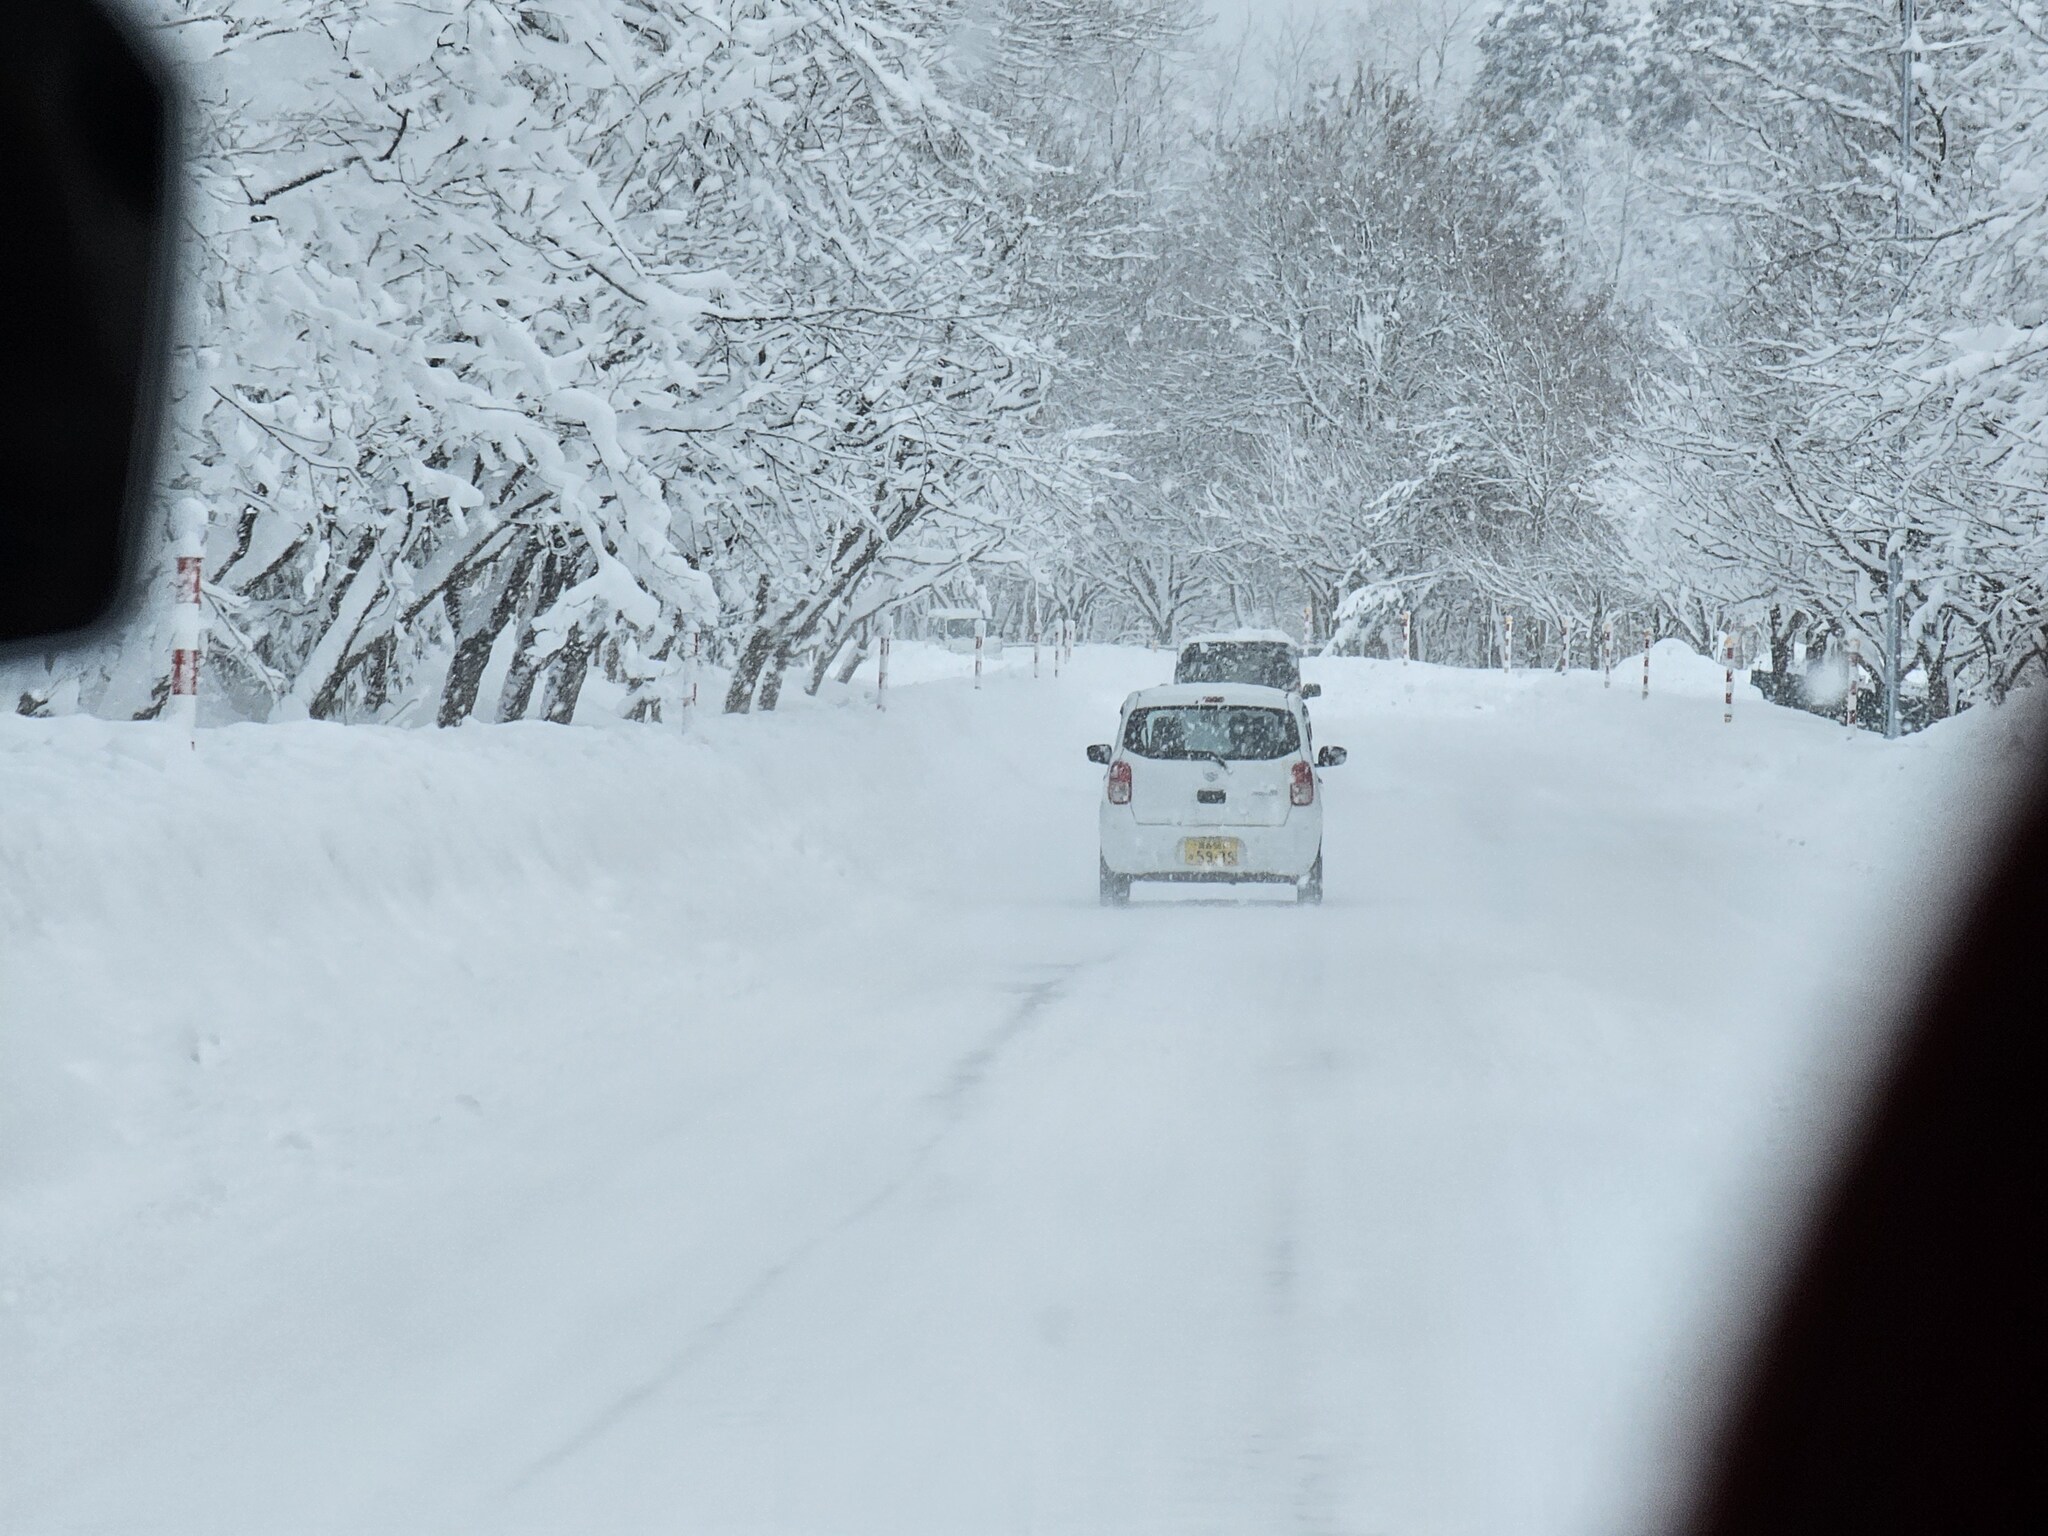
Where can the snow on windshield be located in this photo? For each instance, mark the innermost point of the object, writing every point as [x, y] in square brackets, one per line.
[1231, 732]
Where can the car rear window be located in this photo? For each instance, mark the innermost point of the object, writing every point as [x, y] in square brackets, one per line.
[1266, 664]
[1232, 732]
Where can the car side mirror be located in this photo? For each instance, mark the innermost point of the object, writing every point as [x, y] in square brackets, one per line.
[1331, 757]
[1099, 752]
[1311, 690]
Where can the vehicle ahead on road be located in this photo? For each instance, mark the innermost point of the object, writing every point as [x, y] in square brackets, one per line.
[955, 629]
[1263, 657]
[1212, 782]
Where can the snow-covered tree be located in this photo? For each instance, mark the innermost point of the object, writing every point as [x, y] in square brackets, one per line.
[523, 341]
[1401, 384]
[1820, 419]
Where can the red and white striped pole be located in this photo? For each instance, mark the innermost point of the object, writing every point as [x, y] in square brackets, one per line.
[1728, 679]
[1564, 646]
[1507, 642]
[882, 673]
[189, 546]
[980, 632]
[1406, 650]
[1855, 677]
[1646, 663]
[1034, 631]
[694, 643]
[1607, 654]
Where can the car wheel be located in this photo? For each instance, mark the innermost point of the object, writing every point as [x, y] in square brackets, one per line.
[1308, 890]
[1116, 888]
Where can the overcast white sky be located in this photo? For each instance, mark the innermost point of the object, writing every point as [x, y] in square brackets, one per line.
[1439, 31]
[1231, 15]
[1293, 39]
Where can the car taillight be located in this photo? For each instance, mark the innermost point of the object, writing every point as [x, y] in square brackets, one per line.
[1119, 783]
[1303, 790]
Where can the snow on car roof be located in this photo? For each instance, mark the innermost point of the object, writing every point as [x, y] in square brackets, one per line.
[1240, 636]
[1210, 693]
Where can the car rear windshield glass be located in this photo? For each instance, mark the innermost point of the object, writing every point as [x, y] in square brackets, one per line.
[1211, 730]
[1266, 664]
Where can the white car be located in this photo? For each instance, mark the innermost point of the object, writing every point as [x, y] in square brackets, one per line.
[1212, 782]
[955, 629]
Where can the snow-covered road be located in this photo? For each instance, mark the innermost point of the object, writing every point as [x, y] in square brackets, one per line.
[763, 1130]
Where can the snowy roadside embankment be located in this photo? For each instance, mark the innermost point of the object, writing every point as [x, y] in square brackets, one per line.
[758, 1127]
[293, 942]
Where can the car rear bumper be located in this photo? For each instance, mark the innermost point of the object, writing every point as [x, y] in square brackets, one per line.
[1153, 852]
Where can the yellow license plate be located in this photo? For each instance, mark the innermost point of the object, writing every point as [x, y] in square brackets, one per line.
[1202, 852]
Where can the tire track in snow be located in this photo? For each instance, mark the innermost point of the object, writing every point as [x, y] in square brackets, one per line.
[1292, 1444]
[954, 1097]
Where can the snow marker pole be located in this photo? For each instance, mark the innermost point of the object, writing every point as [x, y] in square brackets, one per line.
[694, 642]
[1507, 643]
[1034, 631]
[1728, 679]
[1855, 671]
[980, 630]
[1646, 663]
[190, 549]
[1564, 646]
[1607, 654]
[1406, 652]
[882, 675]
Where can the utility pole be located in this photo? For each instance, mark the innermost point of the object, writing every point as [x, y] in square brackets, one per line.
[1893, 668]
[1891, 645]
[1912, 22]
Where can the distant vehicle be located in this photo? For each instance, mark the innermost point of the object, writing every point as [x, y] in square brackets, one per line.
[1263, 657]
[954, 628]
[1212, 782]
